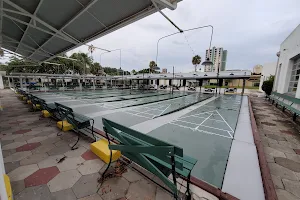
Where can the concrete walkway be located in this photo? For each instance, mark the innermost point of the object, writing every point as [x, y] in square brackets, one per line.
[281, 141]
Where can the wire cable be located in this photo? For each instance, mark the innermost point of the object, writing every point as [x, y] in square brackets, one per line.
[163, 14]
[188, 43]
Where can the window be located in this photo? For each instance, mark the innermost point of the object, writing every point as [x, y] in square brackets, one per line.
[294, 76]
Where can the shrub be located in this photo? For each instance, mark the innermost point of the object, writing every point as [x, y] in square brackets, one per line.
[268, 85]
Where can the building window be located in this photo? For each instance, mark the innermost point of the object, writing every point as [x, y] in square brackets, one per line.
[294, 76]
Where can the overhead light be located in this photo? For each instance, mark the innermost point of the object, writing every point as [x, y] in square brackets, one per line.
[207, 62]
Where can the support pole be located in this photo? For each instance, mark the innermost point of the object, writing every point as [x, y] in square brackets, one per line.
[244, 83]
[21, 83]
[9, 84]
[94, 84]
[173, 81]
[80, 84]
[63, 85]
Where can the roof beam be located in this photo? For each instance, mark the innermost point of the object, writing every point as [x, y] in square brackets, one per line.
[167, 4]
[36, 10]
[86, 9]
[40, 29]
[139, 15]
[14, 40]
[26, 13]
[16, 54]
[71, 20]
[45, 55]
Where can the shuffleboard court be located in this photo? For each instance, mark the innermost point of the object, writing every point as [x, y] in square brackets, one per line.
[92, 108]
[136, 115]
[127, 97]
[206, 134]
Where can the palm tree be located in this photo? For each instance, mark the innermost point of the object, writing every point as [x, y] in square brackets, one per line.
[196, 61]
[152, 66]
[133, 72]
[83, 61]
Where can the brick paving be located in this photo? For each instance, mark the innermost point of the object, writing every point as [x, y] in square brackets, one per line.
[281, 141]
[32, 151]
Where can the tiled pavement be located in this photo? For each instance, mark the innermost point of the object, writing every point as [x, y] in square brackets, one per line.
[281, 141]
[32, 151]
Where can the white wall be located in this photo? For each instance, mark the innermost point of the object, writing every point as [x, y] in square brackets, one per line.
[3, 194]
[267, 70]
[289, 48]
[2, 73]
[1, 83]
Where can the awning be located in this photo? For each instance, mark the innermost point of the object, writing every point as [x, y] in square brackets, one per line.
[41, 29]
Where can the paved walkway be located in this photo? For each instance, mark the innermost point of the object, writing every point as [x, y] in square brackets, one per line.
[281, 140]
[41, 165]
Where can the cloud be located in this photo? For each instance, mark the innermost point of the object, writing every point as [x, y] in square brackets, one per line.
[251, 31]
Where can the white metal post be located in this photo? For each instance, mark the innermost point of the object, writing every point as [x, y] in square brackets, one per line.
[21, 83]
[80, 85]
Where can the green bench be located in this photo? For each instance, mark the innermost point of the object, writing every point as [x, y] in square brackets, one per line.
[281, 99]
[76, 120]
[156, 156]
[50, 107]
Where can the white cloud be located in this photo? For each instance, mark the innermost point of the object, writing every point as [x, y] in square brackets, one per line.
[251, 31]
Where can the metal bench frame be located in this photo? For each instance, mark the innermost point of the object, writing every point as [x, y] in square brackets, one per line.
[78, 121]
[278, 99]
[158, 157]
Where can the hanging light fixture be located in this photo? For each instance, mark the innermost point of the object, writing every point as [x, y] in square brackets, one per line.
[207, 62]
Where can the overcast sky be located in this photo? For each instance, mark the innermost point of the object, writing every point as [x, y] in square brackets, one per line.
[251, 31]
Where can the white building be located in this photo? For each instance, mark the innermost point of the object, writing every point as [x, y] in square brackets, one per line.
[288, 66]
[219, 57]
[164, 71]
[268, 69]
[257, 69]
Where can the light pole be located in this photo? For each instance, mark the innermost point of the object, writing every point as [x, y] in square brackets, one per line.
[120, 50]
[207, 26]
[112, 51]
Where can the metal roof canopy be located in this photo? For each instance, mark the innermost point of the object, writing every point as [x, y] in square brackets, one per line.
[177, 76]
[41, 29]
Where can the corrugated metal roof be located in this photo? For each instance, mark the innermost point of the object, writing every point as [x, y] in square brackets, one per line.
[41, 29]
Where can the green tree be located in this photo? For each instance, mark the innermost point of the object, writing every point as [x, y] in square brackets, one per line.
[267, 85]
[81, 66]
[153, 66]
[196, 61]
[110, 71]
[133, 72]
[95, 68]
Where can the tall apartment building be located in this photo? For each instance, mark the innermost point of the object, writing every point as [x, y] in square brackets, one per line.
[218, 56]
